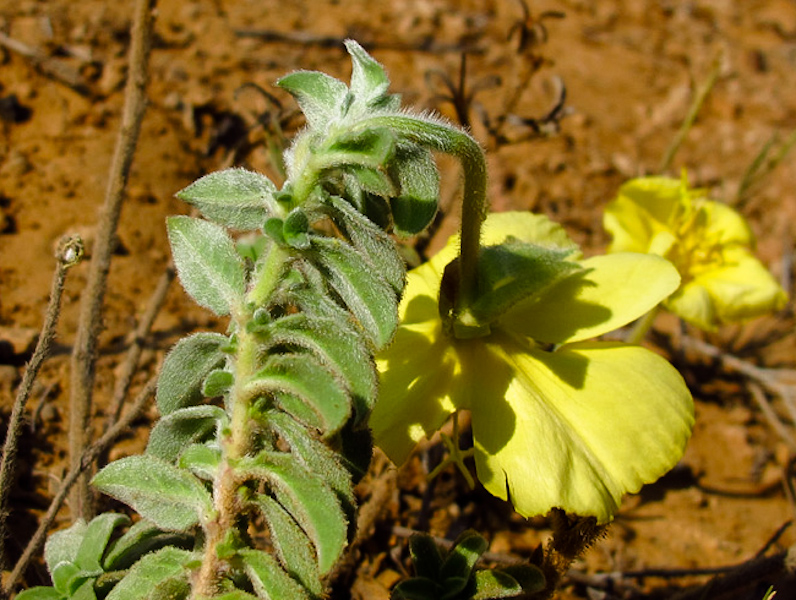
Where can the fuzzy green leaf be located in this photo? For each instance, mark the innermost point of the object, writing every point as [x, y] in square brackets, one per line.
[516, 271]
[417, 175]
[367, 179]
[369, 81]
[210, 268]
[292, 545]
[217, 383]
[201, 460]
[363, 290]
[62, 546]
[370, 240]
[458, 565]
[530, 577]
[85, 591]
[319, 96]
[174, 432]
[302, 377]
[492, 584]
[269, 579]
[235, 198]
[185, 368]
[416, 588]
[142, 538]
[295, 229]
[308, 499]
[316, 456]
[40, 593]
[338, 347]
[425, 554]
[371, 148]
[152, 572]
[172, 498]
[95, 541]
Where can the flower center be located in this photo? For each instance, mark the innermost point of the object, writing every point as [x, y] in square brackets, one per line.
[698, 249]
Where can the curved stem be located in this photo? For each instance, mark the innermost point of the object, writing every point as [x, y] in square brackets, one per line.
[442, 137]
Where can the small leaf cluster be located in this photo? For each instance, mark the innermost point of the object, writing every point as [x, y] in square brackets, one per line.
[86, 561]
[454, 576]
[263, 430]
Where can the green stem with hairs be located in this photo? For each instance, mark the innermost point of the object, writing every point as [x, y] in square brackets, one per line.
[441, 137]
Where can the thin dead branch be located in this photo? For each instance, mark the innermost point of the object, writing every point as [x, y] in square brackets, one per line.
[85, 347]
[70, 250]
[50, 67]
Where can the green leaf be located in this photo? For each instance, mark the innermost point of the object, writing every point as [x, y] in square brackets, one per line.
[370, 240]
[95, 541]
[316, 456]
[40, 593]
[85, 591]
[185, 368]
[173, 499]
[145, 577]
[309, 500]
[302, 377]
[372, 148]
[201, 460]
[235, 595]
[458, 565]
[319, 96]
[516, 271]
[217, 383]
[174, 432]
[425, 554]
[491, 583]
[142, 538]
[67, 577]
[530, 577]
[295, 229]
[210, 268]
[234, 198]
[62, 546]
[338, 347]
[292, 545]
[270, 581]
[416, 588]
[417, 176]
[364, 291]
[369, 82]
[371, 180]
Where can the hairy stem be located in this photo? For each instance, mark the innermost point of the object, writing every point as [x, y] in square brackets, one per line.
[89, 325]
[445, 138]
[234, 446]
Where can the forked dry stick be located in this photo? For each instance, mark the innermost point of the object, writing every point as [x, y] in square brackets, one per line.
[85, 347]
[70, 250]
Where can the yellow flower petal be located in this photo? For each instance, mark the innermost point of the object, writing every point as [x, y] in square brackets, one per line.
[725, 224]
[418, 375]
[741, 289]
[576, 428]
[612, 291]
[643, 208]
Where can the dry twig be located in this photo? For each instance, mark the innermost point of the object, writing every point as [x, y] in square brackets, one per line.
[70, 250]
[85, 348]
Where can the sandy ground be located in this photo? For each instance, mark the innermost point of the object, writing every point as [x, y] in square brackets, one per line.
[630, 69]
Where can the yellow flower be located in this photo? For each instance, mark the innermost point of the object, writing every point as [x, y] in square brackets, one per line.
[557, 421]
[709, 243]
